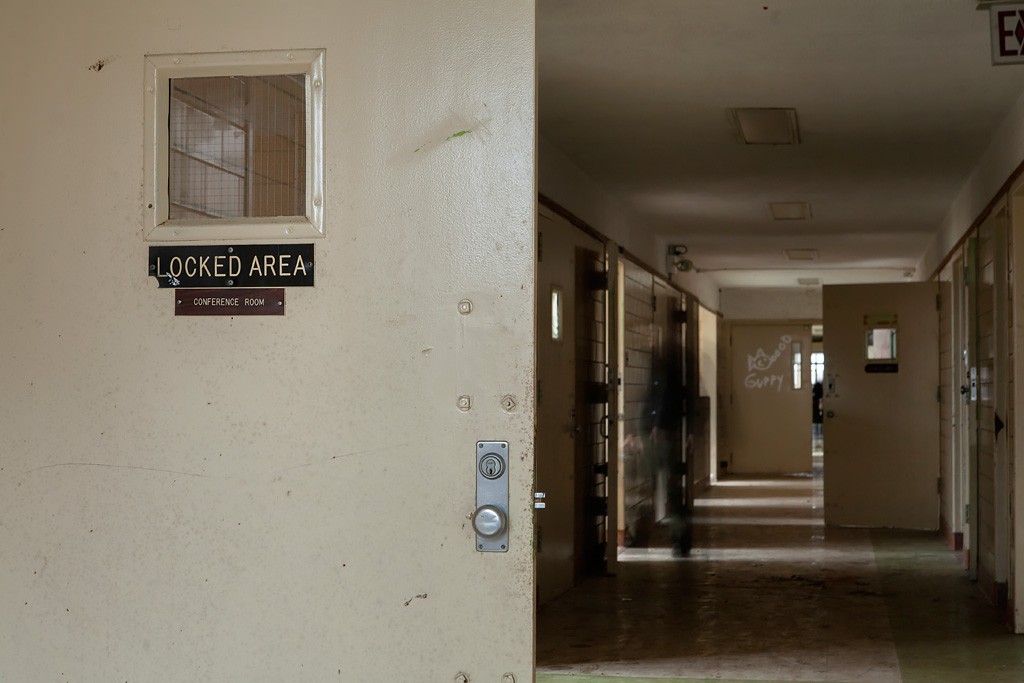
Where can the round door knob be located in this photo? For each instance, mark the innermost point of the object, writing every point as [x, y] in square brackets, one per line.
[489, 521]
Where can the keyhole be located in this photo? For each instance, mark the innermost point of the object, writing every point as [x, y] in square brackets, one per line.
[491, 467]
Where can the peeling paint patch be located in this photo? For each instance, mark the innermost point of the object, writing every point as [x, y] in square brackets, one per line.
[421, 596]
[99, 64]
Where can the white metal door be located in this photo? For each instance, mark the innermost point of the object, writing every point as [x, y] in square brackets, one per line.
[271, 498]
[881, 405]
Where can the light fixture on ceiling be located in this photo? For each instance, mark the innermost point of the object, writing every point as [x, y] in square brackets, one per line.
[675, 263]
[789, 211]
[801, 254]
[766, 125]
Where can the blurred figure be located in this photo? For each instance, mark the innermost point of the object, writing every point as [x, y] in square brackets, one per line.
[817, 418]
[666, 405]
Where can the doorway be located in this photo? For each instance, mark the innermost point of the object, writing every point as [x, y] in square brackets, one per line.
[817, 394]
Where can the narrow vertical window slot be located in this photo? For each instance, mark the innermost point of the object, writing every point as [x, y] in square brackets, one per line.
[798, 365]
[556, 313]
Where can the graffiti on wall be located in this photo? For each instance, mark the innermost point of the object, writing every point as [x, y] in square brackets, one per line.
[760, 364]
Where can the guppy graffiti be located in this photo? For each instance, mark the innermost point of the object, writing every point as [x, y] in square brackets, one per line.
[760, 362]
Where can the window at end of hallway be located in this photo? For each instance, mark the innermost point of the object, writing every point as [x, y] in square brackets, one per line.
[556, 313]
[235, 145]
[817, 367]
[798, 365]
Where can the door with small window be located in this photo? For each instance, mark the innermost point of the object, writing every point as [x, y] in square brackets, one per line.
[881, 405]
[770, 404]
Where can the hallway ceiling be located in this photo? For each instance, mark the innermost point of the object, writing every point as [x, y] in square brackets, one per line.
[896, 101]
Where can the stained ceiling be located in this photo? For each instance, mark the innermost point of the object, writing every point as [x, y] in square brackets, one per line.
[896, 101]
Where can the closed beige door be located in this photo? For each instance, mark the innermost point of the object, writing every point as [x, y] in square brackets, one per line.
[881, 407]
[770, 409]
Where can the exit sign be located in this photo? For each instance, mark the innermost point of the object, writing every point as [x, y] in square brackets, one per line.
[1007, 21]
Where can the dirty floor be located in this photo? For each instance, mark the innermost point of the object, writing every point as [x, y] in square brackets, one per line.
[770, 594]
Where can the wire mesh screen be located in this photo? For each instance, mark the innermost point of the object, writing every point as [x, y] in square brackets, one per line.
[237, 147]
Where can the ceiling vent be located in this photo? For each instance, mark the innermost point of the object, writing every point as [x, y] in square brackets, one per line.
[808, 281]
[801, 254]
[766, 126]
[789, 211]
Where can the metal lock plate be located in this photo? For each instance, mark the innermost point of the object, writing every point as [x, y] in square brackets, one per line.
[490, 521]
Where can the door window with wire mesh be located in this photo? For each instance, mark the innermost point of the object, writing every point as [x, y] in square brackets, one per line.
[234, 146]
[237, 147]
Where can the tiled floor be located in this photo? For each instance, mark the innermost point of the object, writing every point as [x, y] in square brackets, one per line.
[770, 594]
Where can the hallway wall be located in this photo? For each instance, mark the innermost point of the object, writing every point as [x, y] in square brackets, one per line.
[563, 182]
[950, 517]
[999, 161]
[772, 303]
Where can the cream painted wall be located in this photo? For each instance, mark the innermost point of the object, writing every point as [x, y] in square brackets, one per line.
[772, 304]
[268, 499]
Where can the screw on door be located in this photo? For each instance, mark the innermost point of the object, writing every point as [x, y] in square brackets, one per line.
[508, 403]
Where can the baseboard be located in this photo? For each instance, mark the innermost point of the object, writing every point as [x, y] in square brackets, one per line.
[954, 539]
[702, 485]
[988, 586]
[1001, 595]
